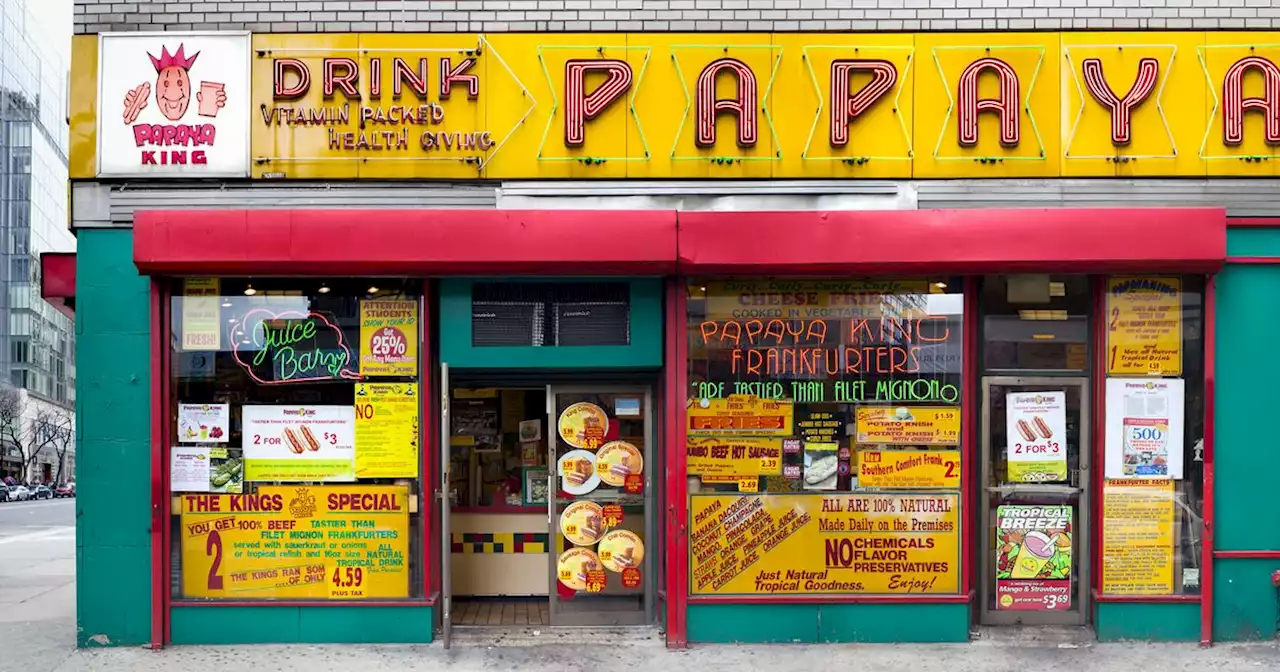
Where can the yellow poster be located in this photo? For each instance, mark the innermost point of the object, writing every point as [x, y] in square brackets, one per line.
[733, 456]
[387, 430]
[793, 544]
[1144, 326]
[909, 425]
[201, 314]
[1137, 537]
[909, 468]
[297, 542]
[741, 415]
[388, 338]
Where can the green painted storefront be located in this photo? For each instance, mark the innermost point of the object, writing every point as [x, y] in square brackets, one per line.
[114, 542]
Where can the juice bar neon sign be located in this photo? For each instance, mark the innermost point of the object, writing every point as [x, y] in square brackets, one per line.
[291, 347]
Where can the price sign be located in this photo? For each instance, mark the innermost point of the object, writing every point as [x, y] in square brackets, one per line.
[389, 338]
[751, 484]
[596, 579]
[631, 577]
[612, 516]
[634, 484]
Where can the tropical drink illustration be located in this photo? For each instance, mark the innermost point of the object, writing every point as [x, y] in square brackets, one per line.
[1036, 552]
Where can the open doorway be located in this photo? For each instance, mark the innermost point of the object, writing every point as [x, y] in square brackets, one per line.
[550, 505]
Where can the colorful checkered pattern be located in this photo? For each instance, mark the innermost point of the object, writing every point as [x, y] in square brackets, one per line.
[502, 542]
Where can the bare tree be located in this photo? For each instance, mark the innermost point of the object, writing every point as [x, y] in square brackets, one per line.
[48, 428]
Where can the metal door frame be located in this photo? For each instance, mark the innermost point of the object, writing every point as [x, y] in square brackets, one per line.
[1081, 607]
[446, 547]
[648, 577]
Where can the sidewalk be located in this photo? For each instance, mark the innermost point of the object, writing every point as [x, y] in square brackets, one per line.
[974, 657]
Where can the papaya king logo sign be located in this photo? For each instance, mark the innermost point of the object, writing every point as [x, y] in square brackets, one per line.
[173, 105]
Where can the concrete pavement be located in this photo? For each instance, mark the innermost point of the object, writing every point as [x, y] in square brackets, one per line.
[37, 634]
[37, 584]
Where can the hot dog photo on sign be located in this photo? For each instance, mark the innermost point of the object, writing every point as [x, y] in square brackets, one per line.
[1036, 429]
[299, 443]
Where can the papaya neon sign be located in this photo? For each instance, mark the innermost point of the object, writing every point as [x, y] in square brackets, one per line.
[292, 347]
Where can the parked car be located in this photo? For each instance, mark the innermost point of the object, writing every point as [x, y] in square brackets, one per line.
[41, 492]
[65, 490]
[19, 493]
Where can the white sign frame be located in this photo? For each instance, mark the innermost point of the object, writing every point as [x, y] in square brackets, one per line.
[1118, 390]
[185, 171]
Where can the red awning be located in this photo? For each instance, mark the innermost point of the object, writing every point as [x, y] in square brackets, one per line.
[405, 242]
[58, 280]
[656, 242]
[954, 241]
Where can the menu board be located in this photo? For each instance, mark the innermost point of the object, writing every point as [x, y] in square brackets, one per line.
[1144, 326]
[1138, 520]
[909, 469]
[804, 544]
[909, 425]
[297, 542]
[733, 456]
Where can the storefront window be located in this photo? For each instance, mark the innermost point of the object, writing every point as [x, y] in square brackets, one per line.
[295, 462]
[1153, 492]
[823, 436]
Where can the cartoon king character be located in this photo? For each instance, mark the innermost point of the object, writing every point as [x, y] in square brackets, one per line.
[173, 89]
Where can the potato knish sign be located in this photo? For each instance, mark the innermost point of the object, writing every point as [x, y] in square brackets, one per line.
[173, 104]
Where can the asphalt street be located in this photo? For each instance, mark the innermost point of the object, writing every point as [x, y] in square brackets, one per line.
[37, 634]
[37, 584]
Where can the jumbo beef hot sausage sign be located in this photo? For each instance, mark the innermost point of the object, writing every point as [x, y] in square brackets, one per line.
[297, 542]
[820, 544]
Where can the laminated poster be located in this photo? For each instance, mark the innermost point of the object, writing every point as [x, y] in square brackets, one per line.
[388, 338]
[1036, 432]
[1033, 558]
[1144, 428]
[189, 469]
[299, 443]
[386, 430]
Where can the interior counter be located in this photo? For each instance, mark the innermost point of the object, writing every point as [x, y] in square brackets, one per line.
[503, 552]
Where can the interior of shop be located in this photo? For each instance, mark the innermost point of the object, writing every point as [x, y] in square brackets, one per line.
[502, 492]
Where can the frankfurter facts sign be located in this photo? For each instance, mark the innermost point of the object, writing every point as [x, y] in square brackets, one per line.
[863, 544]
[173, 105]
[299, 443]
[297, 542]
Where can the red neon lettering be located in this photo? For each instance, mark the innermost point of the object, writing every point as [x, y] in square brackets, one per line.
[402, 74]
[1006, 105]
[1235, 104]
[845, 108]
[342, 73]
[580, 106]
[743, 105]
[1121, 108]
[450, 76]
[285, 65]
[375, 78]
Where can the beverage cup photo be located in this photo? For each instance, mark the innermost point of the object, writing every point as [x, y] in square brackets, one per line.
[1037, 549]
[208, 97]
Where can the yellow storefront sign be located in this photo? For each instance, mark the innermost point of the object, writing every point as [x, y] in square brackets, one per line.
[1138, 537]
[908, 425]
[909, 468]
[387, 430]
[861, 544]
[1144, 326]
[389, 338]
[297, 542]
[733, 456]
[746, 105]
[740, 415]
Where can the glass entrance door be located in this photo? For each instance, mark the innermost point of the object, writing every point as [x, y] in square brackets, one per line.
[1035, 501]
[602, 512]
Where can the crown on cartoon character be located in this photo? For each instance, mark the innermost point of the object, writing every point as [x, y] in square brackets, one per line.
[177, 58]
